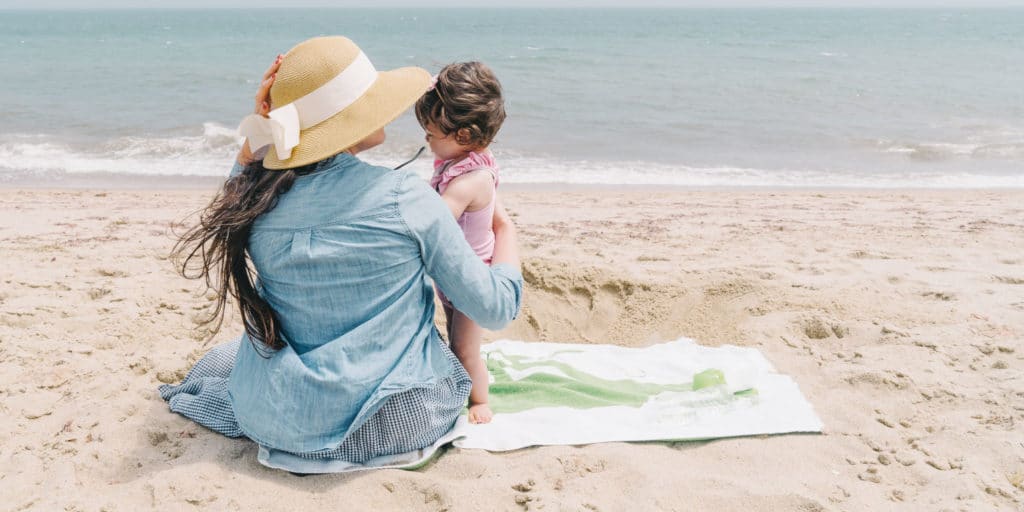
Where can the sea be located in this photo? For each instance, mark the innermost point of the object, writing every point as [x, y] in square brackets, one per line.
[860, 98]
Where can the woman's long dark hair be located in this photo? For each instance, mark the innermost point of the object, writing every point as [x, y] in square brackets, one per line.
[216, 248]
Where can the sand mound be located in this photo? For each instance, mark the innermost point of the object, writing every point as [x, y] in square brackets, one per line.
[565, 302]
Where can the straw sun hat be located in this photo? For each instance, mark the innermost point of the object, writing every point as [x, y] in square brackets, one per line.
[327, 97]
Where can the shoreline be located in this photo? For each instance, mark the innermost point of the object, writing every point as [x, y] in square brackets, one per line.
[141, 183]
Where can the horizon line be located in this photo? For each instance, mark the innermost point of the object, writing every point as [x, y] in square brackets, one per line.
[523, 7]
[967, 6]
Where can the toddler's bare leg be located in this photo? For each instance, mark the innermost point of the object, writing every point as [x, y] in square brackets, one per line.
[466, 345]
[448, 312]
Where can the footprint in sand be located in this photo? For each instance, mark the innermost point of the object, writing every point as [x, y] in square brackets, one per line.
[524, 499]
[172, 448]
[581, 465]
[943, 296]
[871, 475]
[142, 366]
[433, 494]
[1009, 280]
[817, 329]
[111, 273]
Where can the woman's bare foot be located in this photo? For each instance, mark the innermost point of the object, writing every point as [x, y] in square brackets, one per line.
[480, 413]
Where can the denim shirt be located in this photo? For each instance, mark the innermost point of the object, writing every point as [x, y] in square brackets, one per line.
[345, 259]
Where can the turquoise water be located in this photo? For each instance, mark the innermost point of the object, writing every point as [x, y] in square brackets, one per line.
[792, 97]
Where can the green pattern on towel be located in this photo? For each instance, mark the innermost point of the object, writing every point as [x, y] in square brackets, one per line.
[574, 388]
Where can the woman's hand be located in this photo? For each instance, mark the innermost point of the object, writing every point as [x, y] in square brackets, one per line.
[263, 93]
[506, 244]
[262, 105]
[501, 217]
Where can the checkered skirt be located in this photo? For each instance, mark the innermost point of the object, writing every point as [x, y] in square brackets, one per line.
[407, 421]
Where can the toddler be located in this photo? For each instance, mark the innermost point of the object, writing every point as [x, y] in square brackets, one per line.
[461, 114]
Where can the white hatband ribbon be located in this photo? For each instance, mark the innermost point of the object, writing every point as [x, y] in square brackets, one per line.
[283, 124]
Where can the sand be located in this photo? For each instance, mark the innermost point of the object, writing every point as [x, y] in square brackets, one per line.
[899, 313]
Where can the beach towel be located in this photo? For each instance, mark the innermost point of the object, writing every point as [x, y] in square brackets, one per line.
[574, 394]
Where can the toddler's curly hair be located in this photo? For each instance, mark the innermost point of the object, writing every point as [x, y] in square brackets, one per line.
[466, 95]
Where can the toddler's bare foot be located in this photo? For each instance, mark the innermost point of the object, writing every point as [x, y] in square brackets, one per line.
[480, 413]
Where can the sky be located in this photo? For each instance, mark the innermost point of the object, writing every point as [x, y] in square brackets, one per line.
[108, 4]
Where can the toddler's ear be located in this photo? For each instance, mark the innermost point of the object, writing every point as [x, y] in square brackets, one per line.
[463, 136]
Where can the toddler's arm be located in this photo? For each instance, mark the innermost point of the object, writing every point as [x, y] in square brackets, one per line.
[470, 191]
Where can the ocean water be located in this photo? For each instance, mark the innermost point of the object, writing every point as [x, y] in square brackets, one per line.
[730, 97]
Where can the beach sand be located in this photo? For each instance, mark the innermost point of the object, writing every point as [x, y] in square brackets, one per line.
[899, 313]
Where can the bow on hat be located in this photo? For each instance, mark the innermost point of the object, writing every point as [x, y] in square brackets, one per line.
[281, 129]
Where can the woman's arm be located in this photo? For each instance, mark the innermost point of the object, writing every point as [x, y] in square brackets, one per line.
[245, 154]
[489, 295]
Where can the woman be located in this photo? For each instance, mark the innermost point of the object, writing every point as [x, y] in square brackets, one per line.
[331, 260]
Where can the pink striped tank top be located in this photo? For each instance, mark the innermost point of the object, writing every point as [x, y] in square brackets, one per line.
[476, 225]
